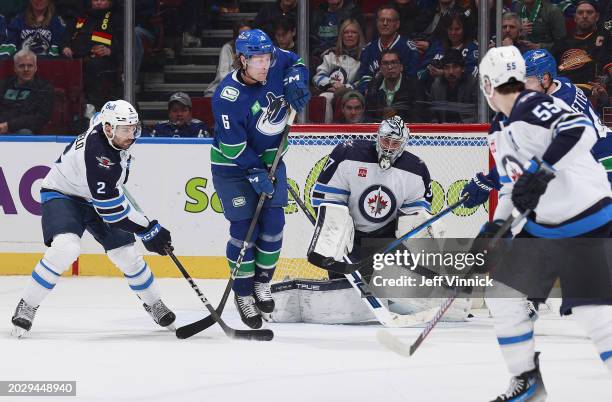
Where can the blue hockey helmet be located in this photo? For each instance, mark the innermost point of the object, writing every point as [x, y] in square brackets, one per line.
[540, 62]
[253, 42]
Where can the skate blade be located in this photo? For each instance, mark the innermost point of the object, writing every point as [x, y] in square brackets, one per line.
[18, 332]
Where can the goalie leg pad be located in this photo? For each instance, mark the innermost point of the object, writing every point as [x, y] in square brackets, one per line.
[137, 272]
[333, 235]
[64, 250]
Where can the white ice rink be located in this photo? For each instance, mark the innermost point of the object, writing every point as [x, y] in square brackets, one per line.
[94, 331]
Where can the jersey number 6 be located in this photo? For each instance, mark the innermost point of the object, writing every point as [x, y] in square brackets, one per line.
[225, 120]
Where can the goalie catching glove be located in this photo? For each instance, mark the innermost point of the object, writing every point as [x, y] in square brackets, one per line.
[333, 236]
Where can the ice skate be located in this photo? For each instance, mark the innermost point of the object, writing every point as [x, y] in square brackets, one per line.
[527, 387]
[248, 311]
[161, 314]
[263, 297]
[22, 319]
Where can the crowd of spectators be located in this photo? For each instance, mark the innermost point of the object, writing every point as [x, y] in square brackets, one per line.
[368, 59]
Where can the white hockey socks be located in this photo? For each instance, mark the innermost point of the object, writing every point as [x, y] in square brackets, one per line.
[64, 250]
[597, 323]
[137, 272]
[514, 330]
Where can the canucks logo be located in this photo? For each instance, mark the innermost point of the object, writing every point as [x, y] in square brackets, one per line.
[272, 119]
[377, 203]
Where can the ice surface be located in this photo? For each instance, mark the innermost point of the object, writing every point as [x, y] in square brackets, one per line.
[94, 331]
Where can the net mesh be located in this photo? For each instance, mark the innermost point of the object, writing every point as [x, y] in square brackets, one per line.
[452, 159]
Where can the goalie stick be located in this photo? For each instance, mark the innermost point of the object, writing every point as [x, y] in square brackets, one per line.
[253, 334]
[394, 344]
[347, 267]
[382, 313]
[200, 325]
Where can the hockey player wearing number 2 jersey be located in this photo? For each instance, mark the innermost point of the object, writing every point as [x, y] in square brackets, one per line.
[251, 108]
[542, 155]
[83, 191]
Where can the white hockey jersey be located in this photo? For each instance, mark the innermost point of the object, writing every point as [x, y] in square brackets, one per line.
[352, 177]
[578, 199]
[90, 170]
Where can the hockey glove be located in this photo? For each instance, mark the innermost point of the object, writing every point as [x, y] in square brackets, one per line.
[258, 178]
[296, 89]
[492, 252]
[490, 229]
[156, 238]
[531, 185]
[478, 190]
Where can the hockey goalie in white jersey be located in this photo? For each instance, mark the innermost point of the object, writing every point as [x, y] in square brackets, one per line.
[84, 191]
[542, 154]
[367, 189]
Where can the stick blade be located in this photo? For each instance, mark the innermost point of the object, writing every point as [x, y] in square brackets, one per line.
[253, 335]
[189, 330]
[393, 343]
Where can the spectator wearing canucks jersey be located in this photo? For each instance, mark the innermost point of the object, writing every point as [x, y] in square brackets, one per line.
[26, 101]
[387, 25]
[38, 28]
[454, 33]
[180, 122]
[251, 107]
[97, 39]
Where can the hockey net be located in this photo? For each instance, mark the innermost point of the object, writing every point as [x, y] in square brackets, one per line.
[453, 154]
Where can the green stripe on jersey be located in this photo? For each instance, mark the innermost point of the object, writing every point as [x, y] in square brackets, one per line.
[607, 163]
[232, 151]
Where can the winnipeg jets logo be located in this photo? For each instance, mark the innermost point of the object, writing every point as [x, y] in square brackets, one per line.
[272, 119]
[377, 203]
[513, 167]
[104, 162]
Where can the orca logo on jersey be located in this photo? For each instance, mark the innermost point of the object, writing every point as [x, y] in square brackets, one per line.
[104, 162]
[273, 117]
[513, 168]
[377, 203]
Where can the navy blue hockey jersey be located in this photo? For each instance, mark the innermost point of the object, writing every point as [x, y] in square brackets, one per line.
[43, 41]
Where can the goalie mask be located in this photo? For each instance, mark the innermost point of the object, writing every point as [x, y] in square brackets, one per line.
[391, 140]
[124, 124]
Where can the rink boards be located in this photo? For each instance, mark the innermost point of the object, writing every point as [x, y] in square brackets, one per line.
[171, 181]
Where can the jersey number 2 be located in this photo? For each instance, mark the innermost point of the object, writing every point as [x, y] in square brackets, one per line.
[101, 187]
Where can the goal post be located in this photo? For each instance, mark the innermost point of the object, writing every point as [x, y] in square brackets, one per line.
[453, 154]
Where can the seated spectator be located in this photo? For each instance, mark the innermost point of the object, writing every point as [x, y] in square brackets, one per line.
[284, 34]
[271, 12]
[511, 32]
[69, 10]
[429, 18]
[387, 25]
[325, 22]
[340, 64]
[543, 24]
[394, 93]
[97, 38]
[180, 122]
[26, 102]
[582, 55]
[226, 56]
[409, 12]
[454, 33]
[352, 107]
[39, 28]
[2, 29]
[453, 95]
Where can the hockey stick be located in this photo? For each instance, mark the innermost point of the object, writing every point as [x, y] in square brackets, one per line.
[253, 334]
[393, 343]
[200, 325]
[347, 268]
[382, 314]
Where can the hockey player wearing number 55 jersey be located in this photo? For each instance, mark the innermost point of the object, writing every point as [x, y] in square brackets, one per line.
[83, 191]
[250, 107]
[542, 152]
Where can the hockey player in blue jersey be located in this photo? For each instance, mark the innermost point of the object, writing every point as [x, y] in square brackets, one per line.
[84, 191]
[542, 77]
[250, 108]
[568, 199]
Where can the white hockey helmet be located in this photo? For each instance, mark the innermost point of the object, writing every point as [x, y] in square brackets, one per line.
[124, 122]
[391, 140]
[499, 66]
